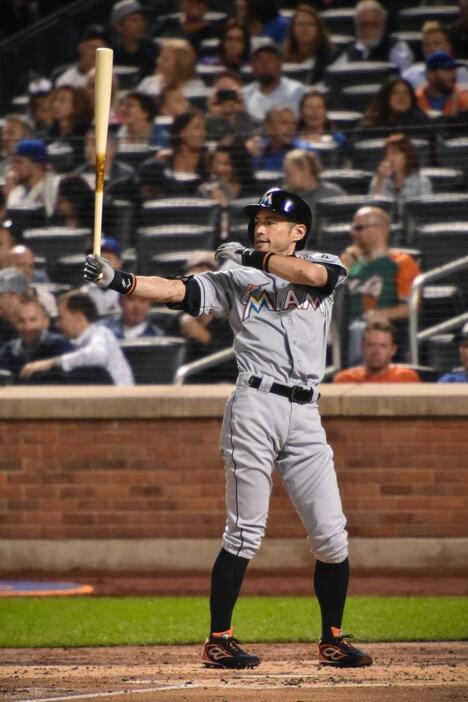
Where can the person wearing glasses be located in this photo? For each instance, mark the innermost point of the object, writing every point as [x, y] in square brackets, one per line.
[379, 279]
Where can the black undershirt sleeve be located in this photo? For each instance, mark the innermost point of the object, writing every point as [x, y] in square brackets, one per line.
[332, 279]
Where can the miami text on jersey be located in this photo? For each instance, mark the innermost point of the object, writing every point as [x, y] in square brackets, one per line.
[255, 298]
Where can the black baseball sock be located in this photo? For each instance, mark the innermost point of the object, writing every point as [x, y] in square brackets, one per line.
[226, 580]
[331, 587]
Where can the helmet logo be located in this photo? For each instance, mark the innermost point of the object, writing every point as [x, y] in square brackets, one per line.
[266, 199]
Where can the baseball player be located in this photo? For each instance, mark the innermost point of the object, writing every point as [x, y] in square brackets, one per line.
[279, 307]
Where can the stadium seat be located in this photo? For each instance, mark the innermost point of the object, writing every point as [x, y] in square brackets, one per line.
[445, 180]
[127, 76]
[453, 153]
[412, 19]
[441, 353]
[268, 179]
[356, 97]
[239, 232]
[189, 210]
[296, 71]
[121, 216]
[344, 119]
[341, 209]
[170, 238]
[333, 238]
[339, 21]
[55, 242]
[209, 47]
[6, 378]
[198, 98]
[169, 264]
[182, 184]
[166, 319]
[154, 360]
[339, 76]
[134, 154]
[327, 151]
[367, 153]
[439, 303]
[208, 73]
[437, 220]
[353, 181]
[61, 157]
[236, 214]
[69, 270]
[25, 217]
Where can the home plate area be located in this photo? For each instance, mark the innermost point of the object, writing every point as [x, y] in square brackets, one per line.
[416, 672]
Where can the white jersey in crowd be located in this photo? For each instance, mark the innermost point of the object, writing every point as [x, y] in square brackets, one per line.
[280, 328]
[289, 92]
[43, 194]
[97, 346]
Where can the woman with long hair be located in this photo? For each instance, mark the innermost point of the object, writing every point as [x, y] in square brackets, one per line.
[174, 67]
[75, 203]
[138, 112]
[187, 152]
[72, 114]
[398, 175]
[231, 174]
[308, 42]
[394, 107]
[314, 125]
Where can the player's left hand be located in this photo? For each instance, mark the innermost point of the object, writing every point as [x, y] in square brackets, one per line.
[232, 250]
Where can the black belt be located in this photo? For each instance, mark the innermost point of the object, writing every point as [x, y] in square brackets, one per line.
[293, 394]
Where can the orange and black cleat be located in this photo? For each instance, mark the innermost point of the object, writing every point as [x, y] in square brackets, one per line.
[223, 651]
[337, 651]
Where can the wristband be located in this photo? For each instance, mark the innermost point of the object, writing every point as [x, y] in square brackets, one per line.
[123, 283]
[256, 259]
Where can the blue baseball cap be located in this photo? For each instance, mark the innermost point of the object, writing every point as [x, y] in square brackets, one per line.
[34, 149]
[111, 245]
[440, 60]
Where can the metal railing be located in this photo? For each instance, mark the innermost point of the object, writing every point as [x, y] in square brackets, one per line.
[416, 336]
[214, 359]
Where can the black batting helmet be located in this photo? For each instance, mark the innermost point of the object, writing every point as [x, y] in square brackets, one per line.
[288, 205]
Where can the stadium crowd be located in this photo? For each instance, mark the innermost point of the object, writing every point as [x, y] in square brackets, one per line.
[361, 108]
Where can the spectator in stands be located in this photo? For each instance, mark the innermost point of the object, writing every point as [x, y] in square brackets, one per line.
[75, 203]
[175, 67]
[434, 38]
[262, 18]
[459, 375]
[13, 286]
[206, 334]
[379, 278]
[24, 259]
[7, 240]
[153, 181]
[269, 87]
[115, 169]
[191, 25]
[72, 113]
[94, 344]
[40, 110]
[35, 342]
[308, 42]
[15, 128]
[394, 107]
[398, 175]
[187, 152]
[314, 124]
[28, 181]
[93, 37]
[234, 47]
[133, 322]
[280, 129]
[458, 32]
[227, 116]
[138, 112]
[302, 176]
[172, 102]
[107, 301]
[133, 47]
[373, 41]
[231, 174]
[442, 94]
[379, 347]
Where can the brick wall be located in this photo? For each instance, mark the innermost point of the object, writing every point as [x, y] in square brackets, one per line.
[162, 477]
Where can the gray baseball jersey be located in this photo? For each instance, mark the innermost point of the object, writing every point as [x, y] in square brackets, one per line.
[280, 335]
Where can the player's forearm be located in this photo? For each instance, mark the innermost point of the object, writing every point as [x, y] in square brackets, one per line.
[297, 270]
[159, 289]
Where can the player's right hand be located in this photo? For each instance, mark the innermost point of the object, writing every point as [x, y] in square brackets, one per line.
[98, 270]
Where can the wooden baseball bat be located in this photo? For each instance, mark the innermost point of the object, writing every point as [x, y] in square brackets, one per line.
[102, 98]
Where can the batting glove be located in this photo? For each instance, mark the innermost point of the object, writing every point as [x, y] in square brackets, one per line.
[98, 270]
[243, 256]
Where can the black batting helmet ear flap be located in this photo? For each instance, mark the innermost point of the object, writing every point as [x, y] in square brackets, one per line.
[287, 204]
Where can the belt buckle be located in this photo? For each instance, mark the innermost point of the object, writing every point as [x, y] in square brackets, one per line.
[298, 395]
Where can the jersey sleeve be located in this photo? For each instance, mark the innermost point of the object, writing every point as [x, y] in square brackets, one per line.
[215, 293]
[334, 266]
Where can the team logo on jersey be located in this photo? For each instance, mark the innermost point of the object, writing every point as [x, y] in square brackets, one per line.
[255, 299]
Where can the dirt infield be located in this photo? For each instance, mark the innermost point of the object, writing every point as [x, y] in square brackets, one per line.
[417, 672]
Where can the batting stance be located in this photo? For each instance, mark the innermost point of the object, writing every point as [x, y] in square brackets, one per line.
[279, 306]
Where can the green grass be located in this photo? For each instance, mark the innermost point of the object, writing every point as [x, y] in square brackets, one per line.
[104, 621]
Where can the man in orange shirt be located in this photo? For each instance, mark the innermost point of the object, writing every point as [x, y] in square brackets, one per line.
[378, 349]
[442, 94]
